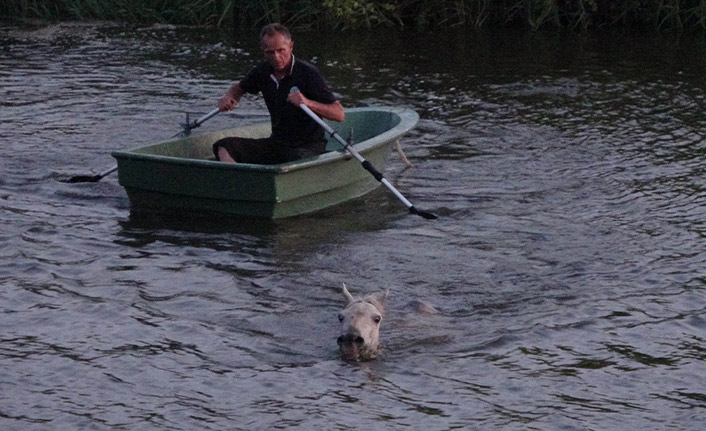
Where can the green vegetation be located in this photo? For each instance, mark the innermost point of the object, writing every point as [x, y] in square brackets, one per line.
[198, 12]
[353, 14]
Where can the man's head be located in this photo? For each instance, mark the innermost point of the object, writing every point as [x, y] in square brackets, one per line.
[277, 45]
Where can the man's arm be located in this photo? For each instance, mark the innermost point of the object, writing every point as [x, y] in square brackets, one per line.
[330, 111]
[231, 98]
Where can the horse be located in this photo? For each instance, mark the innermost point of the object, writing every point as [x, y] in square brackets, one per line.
[359, 338]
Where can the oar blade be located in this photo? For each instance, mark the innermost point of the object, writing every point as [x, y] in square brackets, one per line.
[84, 179]
[423, 214]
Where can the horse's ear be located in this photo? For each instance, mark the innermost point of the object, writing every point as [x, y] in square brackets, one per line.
[380, 299]
[347, 294]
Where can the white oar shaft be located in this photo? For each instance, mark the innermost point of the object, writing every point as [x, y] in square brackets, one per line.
[108, 171]
[352, 150]
[397, 193]
[207, 116]
[328, 128]
[366, 164]
[94, 178]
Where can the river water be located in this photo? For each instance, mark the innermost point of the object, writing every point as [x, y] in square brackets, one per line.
[568, 263]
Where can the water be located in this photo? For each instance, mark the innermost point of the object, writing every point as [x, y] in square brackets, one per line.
[567, 263]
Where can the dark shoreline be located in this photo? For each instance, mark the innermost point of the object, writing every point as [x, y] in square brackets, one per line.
[577, 15]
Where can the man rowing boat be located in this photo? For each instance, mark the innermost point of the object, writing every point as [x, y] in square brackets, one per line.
[294, 134]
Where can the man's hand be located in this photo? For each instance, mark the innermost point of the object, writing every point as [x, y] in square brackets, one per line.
[333, 111]
[230, 100]
[226, 103]
[297, 98]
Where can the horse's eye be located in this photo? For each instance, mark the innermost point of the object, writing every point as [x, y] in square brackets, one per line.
[340, 317]
[377, 319]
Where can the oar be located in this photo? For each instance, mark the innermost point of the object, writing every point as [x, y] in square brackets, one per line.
[366, 164]
[187, 127]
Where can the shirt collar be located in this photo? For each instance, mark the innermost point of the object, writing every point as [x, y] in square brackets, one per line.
[291, 69]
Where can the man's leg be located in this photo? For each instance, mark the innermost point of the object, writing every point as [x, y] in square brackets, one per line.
[224, 155]
[261, 151]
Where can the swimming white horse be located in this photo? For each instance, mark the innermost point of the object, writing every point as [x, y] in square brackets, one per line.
[360, 325]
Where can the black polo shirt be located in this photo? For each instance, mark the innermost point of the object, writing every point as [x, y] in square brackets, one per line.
[290, 124]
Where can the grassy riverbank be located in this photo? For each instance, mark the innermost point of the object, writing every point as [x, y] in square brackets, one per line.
[353, 14]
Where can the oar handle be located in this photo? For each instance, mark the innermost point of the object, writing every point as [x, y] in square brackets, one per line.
[206, 117]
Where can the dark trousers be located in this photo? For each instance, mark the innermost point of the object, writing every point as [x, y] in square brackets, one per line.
[265, 151]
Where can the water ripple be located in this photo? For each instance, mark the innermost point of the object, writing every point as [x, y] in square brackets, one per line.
[566, 267]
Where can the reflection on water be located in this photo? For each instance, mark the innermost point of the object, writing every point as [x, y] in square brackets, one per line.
[567, 264]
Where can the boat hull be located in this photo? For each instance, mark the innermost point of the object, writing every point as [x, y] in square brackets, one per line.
[182, 174]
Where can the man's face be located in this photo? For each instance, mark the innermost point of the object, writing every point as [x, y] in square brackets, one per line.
[278, 51]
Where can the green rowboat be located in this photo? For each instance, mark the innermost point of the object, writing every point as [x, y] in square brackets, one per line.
[182, 174]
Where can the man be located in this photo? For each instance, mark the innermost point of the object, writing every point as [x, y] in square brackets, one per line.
[294, 134]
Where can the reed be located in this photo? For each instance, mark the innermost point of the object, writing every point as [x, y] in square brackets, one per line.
[355, 14]
[200, 12]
